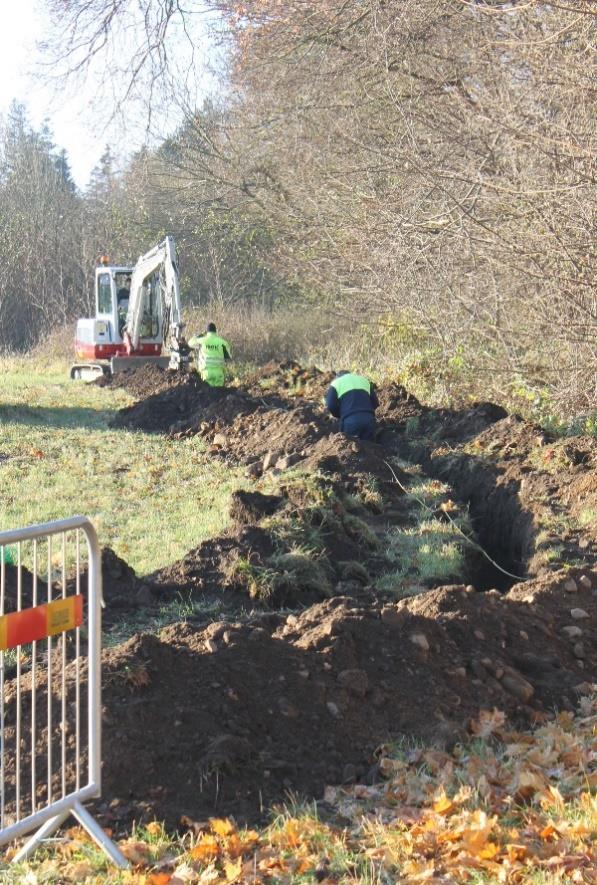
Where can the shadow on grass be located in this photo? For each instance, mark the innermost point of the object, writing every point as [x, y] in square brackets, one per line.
[62, 417]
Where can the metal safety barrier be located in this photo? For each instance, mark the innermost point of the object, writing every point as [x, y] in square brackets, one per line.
[50, 682]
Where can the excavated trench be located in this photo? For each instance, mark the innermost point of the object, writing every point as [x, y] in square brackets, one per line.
[505, 530]
[228, 717]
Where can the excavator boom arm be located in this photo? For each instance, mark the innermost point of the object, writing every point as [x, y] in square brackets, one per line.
[162, 259]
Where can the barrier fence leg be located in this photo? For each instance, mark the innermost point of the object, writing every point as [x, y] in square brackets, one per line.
[99, 836]
[44, 832]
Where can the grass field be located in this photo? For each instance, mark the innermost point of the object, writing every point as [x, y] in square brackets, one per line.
[151, 499]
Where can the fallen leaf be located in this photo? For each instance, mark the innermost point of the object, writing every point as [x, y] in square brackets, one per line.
[233, 870]
[154, 828]
[442, 804]
[183, 874]
[135, 852]
[488, 722]
[159, 878]
[77, 872]
[207, 848]
[221, 826]
[515, 851]
[548, 832]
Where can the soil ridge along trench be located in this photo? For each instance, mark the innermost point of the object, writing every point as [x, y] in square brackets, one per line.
[349, 605]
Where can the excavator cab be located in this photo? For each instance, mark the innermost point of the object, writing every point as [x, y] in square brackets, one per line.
[99, 342]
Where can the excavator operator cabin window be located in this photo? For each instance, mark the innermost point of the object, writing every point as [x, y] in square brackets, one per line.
[104, 294]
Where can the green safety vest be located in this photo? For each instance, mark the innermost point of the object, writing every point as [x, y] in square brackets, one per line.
[346, 383]
[211, 354]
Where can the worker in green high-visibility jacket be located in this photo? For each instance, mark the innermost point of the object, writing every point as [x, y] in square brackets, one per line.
[352, 399]
[213, 353]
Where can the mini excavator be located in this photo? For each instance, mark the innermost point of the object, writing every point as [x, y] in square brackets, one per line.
[137, 317]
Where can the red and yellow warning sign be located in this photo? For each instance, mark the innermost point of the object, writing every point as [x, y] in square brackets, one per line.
[41, 621]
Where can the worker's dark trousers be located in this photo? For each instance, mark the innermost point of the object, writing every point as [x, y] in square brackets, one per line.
[360, 424]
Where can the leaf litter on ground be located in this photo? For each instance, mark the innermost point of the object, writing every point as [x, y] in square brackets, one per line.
[508, 806]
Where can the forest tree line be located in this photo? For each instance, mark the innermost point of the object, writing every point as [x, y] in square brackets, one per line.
[426, 163]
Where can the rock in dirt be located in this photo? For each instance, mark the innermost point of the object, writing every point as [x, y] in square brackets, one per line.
[355, 681]
[572, 632]
[271, 459]
[420, 640]
[517, 686]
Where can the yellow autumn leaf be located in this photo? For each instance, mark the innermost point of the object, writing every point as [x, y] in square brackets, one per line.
[233, 870]
[135, 852]
[154, 828]
[489, 851]
[442, 804]
[129, 877]
[488, 722]
[221, 826]
[207, 848]
[516, 852]
[476, 834]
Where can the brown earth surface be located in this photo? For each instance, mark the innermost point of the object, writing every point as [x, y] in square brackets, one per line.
[228, 717]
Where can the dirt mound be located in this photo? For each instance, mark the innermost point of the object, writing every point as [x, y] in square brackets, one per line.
[119, 581]
[11, 588]
[228, 719]
[289, 430]
[251, 711]
[290, 379]
[396, 404]
[249, 507]
[207, 568]
[144, 381]
[176, 407]
[336, 453]
[119, 584]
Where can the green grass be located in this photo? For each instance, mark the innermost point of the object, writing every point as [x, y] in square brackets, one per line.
[151, 499]
[588, 516]
[430, 550]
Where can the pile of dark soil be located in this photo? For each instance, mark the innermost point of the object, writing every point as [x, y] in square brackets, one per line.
[173, 408]
[281, 431]
[290, 379]
[228, 719]
[207, 568]
[234, 716]
[11, 589]
[120, 585]
[144, 381]
[250, 507]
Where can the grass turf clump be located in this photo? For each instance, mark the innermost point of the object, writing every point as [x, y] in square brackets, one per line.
[286, 579]
[351, 570]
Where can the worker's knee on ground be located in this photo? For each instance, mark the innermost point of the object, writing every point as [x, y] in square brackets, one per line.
[213, 377]
[359, 426]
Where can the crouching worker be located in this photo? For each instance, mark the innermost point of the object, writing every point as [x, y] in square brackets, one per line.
[213, 354]
[353, 400]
